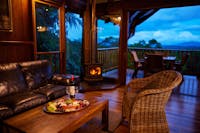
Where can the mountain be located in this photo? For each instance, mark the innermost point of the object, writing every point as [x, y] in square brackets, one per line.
[109, 42]
[184, 45]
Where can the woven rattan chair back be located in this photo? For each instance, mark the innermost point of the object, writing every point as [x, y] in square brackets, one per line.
[145, 100]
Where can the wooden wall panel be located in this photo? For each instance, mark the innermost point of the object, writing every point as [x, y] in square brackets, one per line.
[17, 45]
[15, 51]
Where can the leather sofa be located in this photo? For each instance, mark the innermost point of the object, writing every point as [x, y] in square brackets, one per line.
[26, 85]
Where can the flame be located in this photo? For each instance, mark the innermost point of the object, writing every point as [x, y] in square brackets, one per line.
[92, 72]
[95, 71]
[98, 69]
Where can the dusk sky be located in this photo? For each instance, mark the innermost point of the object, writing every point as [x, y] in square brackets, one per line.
[168, 26]
[171, 26]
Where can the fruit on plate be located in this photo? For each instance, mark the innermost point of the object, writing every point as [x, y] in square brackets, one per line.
[69, 101]
[51, 106]
[66, 105]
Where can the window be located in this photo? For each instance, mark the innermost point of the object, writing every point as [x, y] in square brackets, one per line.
[47, 33]
[74, 43]
[108, 47]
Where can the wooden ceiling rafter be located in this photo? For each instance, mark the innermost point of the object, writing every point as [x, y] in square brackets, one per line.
[132, 5]
[152, 4]
[137, 17]
[108, 13]
[111, 8]
[77, 6]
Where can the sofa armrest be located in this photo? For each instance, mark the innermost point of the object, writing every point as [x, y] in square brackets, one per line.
[64, 79]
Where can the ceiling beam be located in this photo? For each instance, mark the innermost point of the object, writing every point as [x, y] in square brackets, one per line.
[151, 4]
[108, 9]
[76, 5]
[131, 5]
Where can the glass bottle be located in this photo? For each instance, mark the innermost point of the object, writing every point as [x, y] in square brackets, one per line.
[72, 87]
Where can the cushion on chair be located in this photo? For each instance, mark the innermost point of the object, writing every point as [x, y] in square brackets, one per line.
[11, 79]
[52, 91]
[23, 101]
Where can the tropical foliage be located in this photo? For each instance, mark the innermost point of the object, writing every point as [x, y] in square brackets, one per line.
[73, 47]
[74, 54]
[109, 42]
[47, 18]
[48, 39]
[153, 43]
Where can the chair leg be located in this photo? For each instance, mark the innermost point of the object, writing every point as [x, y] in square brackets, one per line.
[135, 73]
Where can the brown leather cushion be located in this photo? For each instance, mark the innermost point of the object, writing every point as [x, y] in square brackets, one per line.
[5, 111]
[46, 70]
[11, 79]
[37, 73]
[52, 91]
[22, 101]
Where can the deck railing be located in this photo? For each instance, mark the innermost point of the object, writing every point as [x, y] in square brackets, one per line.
[109, 58]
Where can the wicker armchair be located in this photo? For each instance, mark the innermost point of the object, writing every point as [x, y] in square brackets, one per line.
[145, 99]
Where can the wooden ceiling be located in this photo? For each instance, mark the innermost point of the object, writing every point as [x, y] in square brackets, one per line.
[114, 6]
[106, 9]
[139, 10]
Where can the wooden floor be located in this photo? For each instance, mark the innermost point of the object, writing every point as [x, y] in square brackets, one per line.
[182, 110]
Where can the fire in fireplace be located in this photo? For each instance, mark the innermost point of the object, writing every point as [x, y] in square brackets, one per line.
[93, 72]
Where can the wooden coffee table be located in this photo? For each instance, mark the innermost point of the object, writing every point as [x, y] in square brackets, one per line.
[37, 121]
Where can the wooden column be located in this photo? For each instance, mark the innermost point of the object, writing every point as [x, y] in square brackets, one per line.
[62, 39]
[86, 34]
[89, 33]
[123, 46]
[93, 33]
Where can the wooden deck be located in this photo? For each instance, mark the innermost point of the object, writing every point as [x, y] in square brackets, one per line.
[190, 85]
[182, 110]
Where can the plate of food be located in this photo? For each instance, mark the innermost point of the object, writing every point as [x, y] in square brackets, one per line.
[64, 105]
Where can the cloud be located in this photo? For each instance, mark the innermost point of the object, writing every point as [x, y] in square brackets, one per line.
[170, 26]
[165, 37]
[179, 13]
[107, 29]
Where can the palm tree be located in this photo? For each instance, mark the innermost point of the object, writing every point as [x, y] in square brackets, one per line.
[72, 20]
[74, 47]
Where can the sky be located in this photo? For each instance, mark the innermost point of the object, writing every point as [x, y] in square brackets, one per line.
[169, 26]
